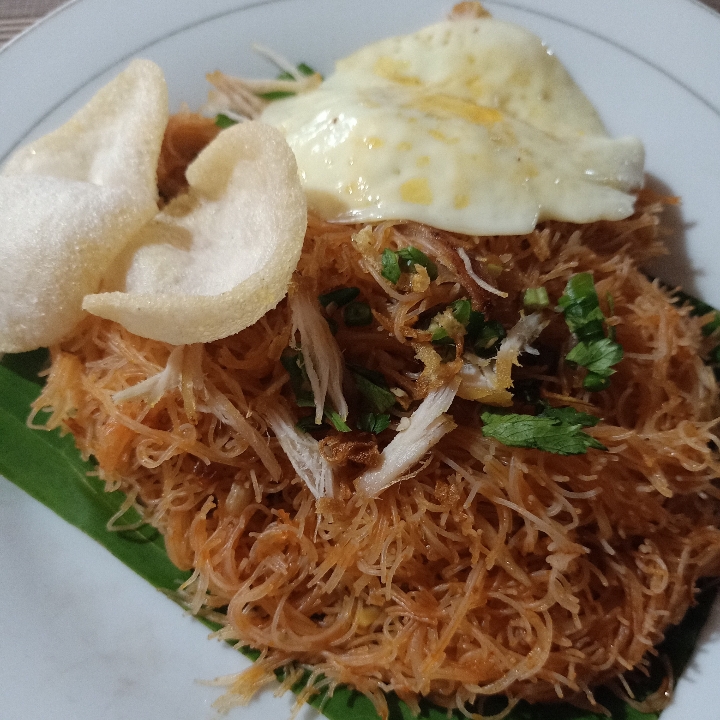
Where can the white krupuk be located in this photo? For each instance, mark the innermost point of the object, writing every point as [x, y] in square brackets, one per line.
[217, 259]
[71, 200]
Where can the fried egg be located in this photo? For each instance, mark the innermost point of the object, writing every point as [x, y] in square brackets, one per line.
[471, 125]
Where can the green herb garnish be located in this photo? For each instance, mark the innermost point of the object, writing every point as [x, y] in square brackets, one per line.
[410, 256]
[581, 307]
[373, 422]
[461, 310]
[585, 319]
[394, 263]
[224, 121]
[482, 336]
[444, 345]
[340, 296]
[536, 298]
[598, 356]
[390, 266]
[279, 94]
[307, 424]
[488, 338]
[356, 314]
[337, 422]
[373, 389]
[293, 362]
[555, 430]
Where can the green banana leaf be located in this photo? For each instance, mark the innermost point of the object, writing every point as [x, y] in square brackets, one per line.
[49, 468]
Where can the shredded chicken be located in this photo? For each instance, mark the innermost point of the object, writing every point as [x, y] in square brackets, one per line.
[427, 425]
[323, 359]
[302, 450]
[489, 380]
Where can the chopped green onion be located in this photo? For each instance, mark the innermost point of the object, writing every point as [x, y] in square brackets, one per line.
[223, 121]
[461, 310]
[304, 69]
[475, 324]
[338, 423]
[536, 298]
[390, 266]
[491, 334]
[276, 94]
[411, 256]
[440, 335]
[356, 314]
[293, 362]
[340, 296]
[394, 263]
[307, 424]
[279, 94]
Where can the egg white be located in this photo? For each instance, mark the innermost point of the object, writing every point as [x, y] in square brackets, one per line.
[469, 125]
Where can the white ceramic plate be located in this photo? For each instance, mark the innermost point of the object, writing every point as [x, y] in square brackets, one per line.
[81, 636]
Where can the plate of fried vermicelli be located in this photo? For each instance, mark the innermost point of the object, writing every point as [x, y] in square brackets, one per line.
[380, 338]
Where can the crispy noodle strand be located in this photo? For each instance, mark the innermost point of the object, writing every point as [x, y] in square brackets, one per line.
[486, 569]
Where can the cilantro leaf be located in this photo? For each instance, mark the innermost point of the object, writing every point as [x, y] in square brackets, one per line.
[373, 422]
[585, 319]
[598, 356]
[379, 398]
[555, 430]
[582, 308]
[570, 416]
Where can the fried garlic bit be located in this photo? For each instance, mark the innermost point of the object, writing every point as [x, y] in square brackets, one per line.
[82, 231]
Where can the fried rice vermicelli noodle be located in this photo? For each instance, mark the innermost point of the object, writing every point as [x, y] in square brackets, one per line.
[487, 569]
